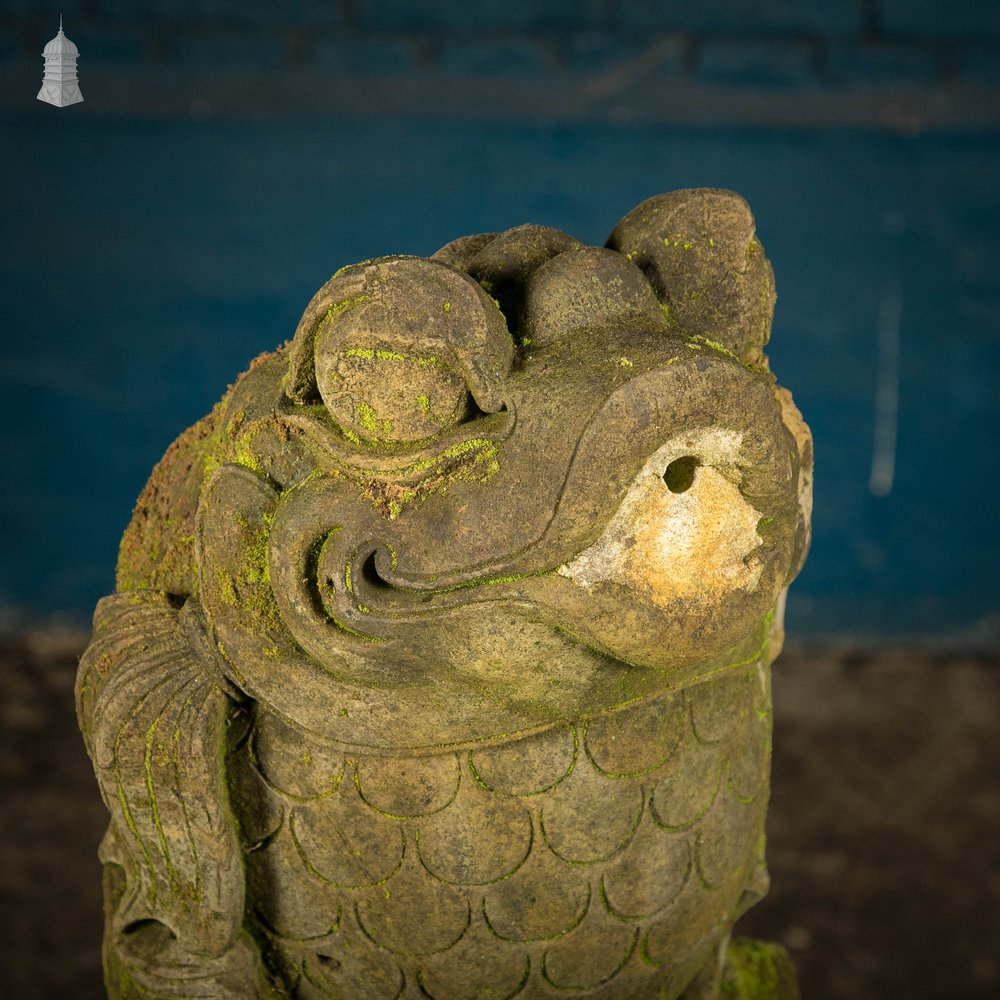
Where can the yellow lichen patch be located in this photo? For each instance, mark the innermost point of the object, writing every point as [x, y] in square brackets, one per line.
[470, 461]
[381, 395]
[698, 543]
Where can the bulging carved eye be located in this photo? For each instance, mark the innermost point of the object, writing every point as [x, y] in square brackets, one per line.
[384, 395]
[680, 473]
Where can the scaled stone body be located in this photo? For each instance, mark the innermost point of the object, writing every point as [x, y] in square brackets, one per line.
[439, 662]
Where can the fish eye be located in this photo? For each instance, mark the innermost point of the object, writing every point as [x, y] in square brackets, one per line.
[679, 474]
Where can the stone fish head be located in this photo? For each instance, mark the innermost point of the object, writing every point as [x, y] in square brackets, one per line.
[520, 480]
[439, 652]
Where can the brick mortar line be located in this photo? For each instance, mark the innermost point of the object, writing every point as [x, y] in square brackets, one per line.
[299, 49]
[171, 93]
[36, 27]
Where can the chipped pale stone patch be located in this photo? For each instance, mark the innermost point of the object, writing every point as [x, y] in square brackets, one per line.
[670, 546]
[792, 417]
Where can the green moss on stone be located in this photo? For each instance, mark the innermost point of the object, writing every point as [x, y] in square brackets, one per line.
[473, 460]
[372, 354]
[758, 970]
[340, 307]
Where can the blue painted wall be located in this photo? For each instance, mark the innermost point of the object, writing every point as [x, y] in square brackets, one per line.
[147, 259]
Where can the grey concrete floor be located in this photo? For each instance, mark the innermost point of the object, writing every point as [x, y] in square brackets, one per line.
[884, 830]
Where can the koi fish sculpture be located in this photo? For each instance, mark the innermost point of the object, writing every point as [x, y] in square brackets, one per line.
[438, 664]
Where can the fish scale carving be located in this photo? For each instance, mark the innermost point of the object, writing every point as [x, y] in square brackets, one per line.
[508, 893]
[439, 661]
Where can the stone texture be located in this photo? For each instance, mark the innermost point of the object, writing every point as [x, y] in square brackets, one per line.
[439, 663]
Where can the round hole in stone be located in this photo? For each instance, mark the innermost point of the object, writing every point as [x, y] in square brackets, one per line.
[328, 961]
[679, 474]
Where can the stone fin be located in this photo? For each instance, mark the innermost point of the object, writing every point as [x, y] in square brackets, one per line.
[154, 720]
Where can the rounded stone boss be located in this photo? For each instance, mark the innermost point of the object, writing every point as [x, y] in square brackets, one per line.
[438, 664]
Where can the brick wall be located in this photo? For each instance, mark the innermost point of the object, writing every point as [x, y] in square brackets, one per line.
[902, 64]
[230, 155]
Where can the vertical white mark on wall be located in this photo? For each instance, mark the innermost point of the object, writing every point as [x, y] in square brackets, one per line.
[886, 392]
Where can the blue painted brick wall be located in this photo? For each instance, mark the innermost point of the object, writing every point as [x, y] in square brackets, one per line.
[854, 60]
[727, 43]
[756, 62]
[517, 57]
[981, 63]
[393, 56]
[757, 16]
[446, 15]
[241, 12]
[940, 18]
[156, 247]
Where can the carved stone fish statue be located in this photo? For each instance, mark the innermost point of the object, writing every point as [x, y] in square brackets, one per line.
[438, 664]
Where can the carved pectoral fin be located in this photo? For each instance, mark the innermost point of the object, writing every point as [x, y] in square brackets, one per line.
[154, 718]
